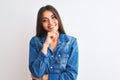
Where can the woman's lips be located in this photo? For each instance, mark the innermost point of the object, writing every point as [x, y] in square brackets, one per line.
[51, 27]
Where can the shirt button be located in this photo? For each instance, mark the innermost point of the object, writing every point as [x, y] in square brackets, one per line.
[51, 67]
[52, 57]
[59, 55]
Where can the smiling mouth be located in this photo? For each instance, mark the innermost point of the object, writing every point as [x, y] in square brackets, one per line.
[52, 27]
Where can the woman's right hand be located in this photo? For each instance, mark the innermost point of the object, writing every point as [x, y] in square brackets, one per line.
[51, 36]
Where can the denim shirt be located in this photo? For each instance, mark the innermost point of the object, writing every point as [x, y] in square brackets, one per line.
[60, 64]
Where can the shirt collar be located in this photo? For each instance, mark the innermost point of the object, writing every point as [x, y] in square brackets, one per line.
[63, 38]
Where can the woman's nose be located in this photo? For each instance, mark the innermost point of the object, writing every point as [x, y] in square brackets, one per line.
[50, 22]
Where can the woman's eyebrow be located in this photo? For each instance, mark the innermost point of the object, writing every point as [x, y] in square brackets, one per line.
[44, 17]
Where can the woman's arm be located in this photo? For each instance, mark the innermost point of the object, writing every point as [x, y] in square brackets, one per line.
[37, 59]
[72, 64]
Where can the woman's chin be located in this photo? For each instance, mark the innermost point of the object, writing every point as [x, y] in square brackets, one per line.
[53, 31]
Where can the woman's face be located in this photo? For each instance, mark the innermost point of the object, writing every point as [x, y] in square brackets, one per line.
[49, 21]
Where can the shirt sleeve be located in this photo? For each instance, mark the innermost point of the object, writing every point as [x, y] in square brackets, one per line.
[71, 71]
[37, 59]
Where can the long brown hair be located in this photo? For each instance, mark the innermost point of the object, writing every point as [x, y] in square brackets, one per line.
[39, 28]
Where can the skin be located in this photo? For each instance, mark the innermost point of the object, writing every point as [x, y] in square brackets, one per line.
[50, 24]
[49, 21]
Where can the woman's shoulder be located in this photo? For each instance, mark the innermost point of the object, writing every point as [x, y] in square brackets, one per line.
[68, 37]
[37, 39]
[33, 38]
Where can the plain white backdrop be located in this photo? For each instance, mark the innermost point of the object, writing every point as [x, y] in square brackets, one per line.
[95, 23]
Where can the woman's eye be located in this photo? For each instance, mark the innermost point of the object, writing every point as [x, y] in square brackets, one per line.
[44, 20]
[53, 17]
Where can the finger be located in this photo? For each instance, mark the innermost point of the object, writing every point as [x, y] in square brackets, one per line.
[45, 77]
[51, 37]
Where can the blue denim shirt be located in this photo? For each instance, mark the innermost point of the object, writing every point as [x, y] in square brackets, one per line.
[60, 64]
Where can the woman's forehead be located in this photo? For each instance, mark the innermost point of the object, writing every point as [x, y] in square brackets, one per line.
[47, 13]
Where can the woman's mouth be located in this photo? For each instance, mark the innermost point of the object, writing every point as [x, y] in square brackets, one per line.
[51, 27]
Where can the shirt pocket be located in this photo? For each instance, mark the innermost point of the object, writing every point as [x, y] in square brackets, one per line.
[62, 58]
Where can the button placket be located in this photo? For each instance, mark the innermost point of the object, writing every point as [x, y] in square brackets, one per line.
[51, 62]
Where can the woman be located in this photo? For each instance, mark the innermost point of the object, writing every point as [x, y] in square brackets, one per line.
[53, 54]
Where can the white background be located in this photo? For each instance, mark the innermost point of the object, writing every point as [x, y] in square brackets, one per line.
[95, 23]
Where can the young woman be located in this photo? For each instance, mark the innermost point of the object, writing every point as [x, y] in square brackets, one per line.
[53, 55]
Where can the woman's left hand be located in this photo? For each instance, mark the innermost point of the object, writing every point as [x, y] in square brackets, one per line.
[44, 77]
